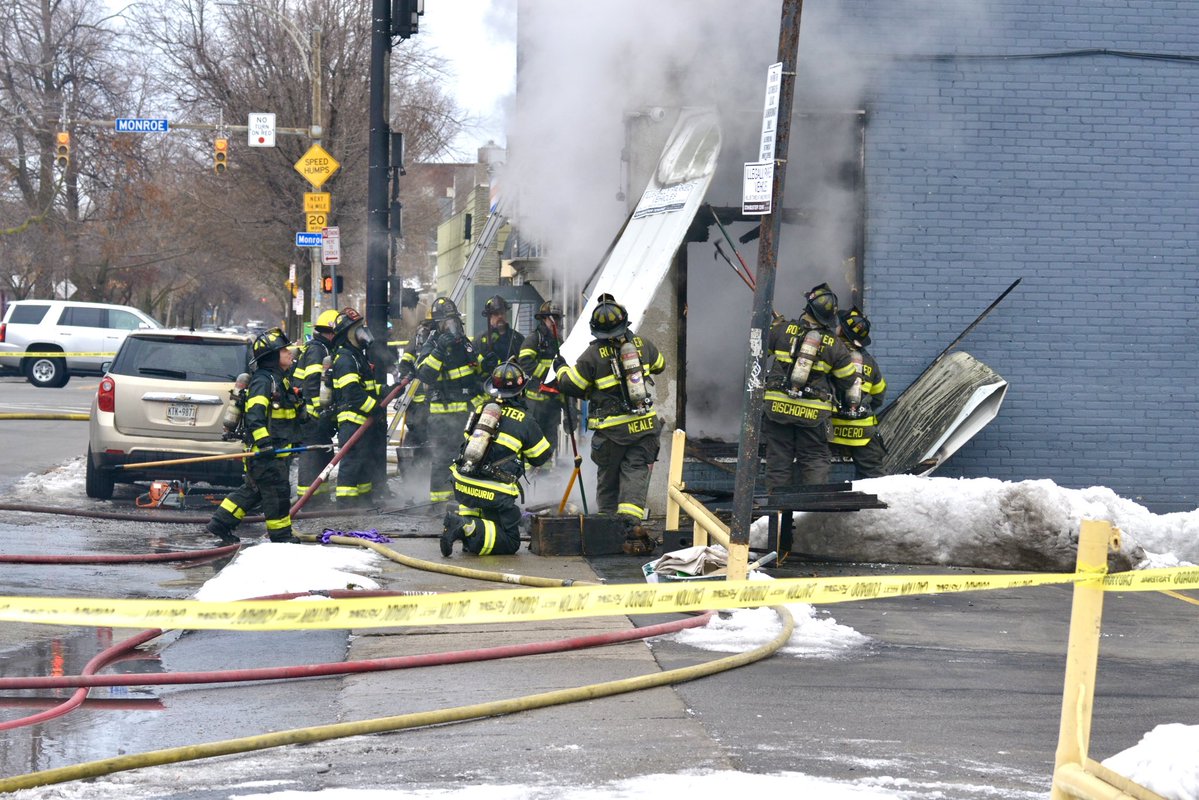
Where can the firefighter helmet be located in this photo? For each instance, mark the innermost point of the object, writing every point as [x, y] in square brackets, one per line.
[269, 342]
[495, 305]
[856, 327]
[822, 304]
[327, 320]
[442, 309]
[548, 309]
[347, 319]
[506, 380]
[609, 320]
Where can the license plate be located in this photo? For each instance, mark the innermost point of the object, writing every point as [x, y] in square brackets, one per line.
[182, 413]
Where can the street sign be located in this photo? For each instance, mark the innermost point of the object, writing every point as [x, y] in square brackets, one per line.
[317, 166]
[308, 239]
[770, 112]
[131, 125]
[261, 131]
[317, 201]
[331, 246]
[316, 221]
[757, 191]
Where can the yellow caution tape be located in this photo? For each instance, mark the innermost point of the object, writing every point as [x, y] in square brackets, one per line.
[492, 606]
[52, 354]
[532, 604]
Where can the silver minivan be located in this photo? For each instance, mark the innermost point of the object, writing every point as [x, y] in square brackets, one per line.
[88, 334]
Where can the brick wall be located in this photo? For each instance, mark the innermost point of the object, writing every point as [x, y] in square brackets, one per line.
[1078, 174]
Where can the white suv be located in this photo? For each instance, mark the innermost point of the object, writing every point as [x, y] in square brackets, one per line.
[90, 331]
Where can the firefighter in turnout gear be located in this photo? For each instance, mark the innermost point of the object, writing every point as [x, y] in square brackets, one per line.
[449, 366]
[811, 368]
[500, 341]
[501, 438]
[539, 359]
[854, 423]
[613, 374]
[416, 416]
[308, 378]
[356, 396]
[271, 418]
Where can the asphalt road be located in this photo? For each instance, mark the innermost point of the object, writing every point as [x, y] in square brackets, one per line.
[959, 694]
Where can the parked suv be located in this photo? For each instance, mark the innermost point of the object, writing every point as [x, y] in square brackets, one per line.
[163, 398]
[64, 326]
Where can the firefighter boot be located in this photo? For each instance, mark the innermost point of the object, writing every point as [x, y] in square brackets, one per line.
[638, 541]
[283, 537]
[221, 532]
[451, 532]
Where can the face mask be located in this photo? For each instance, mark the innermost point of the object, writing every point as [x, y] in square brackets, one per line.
[363, 336]
[453, 326]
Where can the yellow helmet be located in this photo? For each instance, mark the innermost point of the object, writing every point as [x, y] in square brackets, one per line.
[326, 320]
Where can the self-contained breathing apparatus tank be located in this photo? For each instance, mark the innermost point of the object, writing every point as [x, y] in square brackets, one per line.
[232, 416]
[803, 355]
[634, 379]
[481, 434]
[853, 397]
[325, 395]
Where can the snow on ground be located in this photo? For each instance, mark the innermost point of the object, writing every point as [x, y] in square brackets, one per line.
[271, 568]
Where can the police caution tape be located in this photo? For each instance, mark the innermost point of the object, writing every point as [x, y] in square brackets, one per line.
[526, 605]
[54, 354]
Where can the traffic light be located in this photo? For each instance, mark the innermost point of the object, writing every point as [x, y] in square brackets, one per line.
[220, 155]
[62, 156]
[405, 17]
[327, 284]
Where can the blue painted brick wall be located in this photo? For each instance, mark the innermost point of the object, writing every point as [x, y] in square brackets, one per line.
[1079, 175]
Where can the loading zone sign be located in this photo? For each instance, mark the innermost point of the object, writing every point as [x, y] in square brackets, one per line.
[757, 188]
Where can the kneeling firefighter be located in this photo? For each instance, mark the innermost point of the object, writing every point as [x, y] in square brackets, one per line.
[271, 419]
[613, 373]
[501, 438]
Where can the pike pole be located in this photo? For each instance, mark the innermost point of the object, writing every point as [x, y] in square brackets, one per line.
[343, 449]
[223, 457]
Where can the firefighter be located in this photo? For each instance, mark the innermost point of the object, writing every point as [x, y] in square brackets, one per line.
[416, 416]
[854, 424]
[271, 417]
[810, 367]
[539, 358]
[500, 341]
[309, 377]
[501, 437]
[449, 366]
[355, 399]
[613, 373]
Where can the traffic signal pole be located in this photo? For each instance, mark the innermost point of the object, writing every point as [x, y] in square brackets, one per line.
[755, 364]
[377, 248]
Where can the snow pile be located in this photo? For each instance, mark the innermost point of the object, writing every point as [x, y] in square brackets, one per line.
[271, 568]
[990, 524]
[815, 635]
[1165, 761]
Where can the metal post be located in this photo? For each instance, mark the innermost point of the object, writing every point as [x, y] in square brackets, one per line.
[751, 406]
[377, 229]
[312, 303]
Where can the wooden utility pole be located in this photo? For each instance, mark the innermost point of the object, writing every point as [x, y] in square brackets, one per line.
[759, 331]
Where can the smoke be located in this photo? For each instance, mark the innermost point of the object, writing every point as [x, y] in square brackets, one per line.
[598, 88]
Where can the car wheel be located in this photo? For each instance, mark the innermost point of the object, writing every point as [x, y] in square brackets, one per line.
[99, 483]
[47, 373]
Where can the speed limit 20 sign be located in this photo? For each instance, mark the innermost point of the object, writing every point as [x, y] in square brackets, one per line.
[316, 221]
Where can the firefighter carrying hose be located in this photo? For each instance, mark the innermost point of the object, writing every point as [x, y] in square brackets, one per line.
[315, 358]
[355, 399]
[613, 373]
[500, 341]
[501, 437]
[537, 358]
[449, 367]
[270, 420]
[810, 368]
[854, 425]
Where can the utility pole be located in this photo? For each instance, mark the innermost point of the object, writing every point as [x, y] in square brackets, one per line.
[376, 186]
[312, 301]
[759, 331]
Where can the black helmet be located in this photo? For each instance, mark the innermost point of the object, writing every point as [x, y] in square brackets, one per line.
[822, 304]
[856, 327]
[507, 380]
[548, 309]
[442, 309]
[495, 305]
[609, 320]
[269, 342]
[347, 319]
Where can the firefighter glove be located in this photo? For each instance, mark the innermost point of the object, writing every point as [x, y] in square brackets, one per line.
[445, 341]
